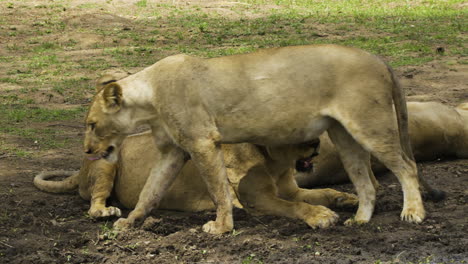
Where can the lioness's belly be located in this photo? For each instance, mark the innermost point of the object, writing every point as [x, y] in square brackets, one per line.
[280, 133]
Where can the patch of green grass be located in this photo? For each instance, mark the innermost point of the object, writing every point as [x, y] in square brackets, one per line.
[72, 88]
[89, 6]
[45, 47]
[420, 27]
[107, 232]
[134, 56]
[9, 98]
[9, 80]
[22, 153]
[6, 58]
[43, 61]
[251, 259]
[36, 138]
[11, 114]
[141, 3]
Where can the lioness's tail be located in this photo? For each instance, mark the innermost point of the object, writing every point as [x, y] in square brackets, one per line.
[401, 111]
[67, 185]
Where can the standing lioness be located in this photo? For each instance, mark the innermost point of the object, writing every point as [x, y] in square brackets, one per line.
[274, 96]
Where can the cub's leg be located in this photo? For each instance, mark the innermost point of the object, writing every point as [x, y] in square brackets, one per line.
[356, 162]
[99, 184]
[288, 189]
[258, 192]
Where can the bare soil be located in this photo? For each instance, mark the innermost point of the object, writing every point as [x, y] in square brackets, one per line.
[38, 227]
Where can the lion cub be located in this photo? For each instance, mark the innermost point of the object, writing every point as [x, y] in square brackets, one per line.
[261, 181]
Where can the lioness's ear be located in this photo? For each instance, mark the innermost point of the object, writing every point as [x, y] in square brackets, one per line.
[104, 80]
[463, 106]
[112, 95]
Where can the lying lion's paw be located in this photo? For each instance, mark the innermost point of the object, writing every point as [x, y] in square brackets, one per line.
[346, 200]
[105, 212]
[321, 217]
[123, 224]
[413, 215]
[215, 228]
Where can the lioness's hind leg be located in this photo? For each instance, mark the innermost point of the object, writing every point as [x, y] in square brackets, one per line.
[258, 192]
[406, 171]
[383, 142]
[356, 163]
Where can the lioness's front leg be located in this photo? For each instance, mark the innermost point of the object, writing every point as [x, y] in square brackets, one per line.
[208, 157]
[160, 179]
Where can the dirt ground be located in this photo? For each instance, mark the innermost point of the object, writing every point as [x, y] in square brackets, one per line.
[38, 227]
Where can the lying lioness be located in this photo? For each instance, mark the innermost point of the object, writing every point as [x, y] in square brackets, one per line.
[261, 179]
[436, 131]
[273, 97]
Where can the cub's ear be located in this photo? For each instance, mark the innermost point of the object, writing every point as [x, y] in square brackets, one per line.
[112, 95]
[104, 80]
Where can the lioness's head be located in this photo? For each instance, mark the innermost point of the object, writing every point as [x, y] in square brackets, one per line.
[107, 122]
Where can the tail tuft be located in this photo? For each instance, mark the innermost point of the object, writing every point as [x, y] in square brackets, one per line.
[435, 195]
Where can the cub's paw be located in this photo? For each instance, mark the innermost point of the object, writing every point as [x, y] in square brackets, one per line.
[346, 200]
[104, 212]
[216, 228]
[123, 224]
[413, 215]
[320, 217]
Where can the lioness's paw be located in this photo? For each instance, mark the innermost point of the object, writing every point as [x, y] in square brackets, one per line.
[215, 228]
[346, 200]
[123, 224]
[105, 212]
[321, 217]
[355, 221]
[413, 215]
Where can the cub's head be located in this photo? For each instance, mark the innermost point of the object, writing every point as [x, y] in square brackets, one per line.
[302, 154]
[105, 122]
[307, 151]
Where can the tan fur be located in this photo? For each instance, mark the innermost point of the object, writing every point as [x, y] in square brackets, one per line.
[264, 183]
[272, 97]
[436, 131]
